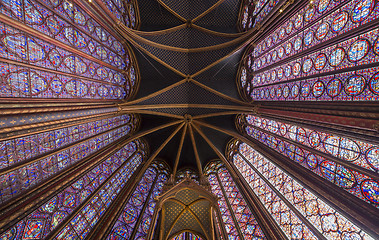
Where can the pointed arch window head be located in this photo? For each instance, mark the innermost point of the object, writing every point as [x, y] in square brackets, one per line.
[110, 173]
[308, 216]
[287, 65]
[125, 11]
[136, 218]
[253, 12]
[236, 219]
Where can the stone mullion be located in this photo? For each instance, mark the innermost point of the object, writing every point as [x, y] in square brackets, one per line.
[67, 221]
[289, 205]
[221, 222]
[21, 206]
[69, 21]
[268, 225]
[24, 28]
[346, 131]
[67, 147]
[139, 220]
[36, 67]
[88, 7]
[104, 226]
[31, 129]
[230, 207]
[327, 156]
[356, 210]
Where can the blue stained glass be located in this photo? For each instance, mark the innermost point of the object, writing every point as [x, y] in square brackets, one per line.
[340, 21]
[323, 5]
[358, 50]
[374, 83]
[334, 87]
[323, 217]
[33, 229]
[32, 16]
[370, 189]
[362, 10]
[355, 85]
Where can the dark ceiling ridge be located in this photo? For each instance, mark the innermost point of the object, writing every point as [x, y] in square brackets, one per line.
[128, 34]
[172, 11]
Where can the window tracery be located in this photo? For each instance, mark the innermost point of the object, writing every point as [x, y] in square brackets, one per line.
[51, 213]
[237, 217]
[124, 11]
[140, 205]
[63, 148]
[85, 62]
[288, 201]
[353, 181]
[309, 58]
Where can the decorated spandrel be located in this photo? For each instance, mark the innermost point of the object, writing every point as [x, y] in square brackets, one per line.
[352, 181]
[266, 179]
[139, 200]
[236, 215]
[23, 178]
[56, 209]
[287, 64]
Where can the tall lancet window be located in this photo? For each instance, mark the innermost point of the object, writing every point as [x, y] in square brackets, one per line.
[299, 212]
[345, 163]
[134, 221]
[84, 200]
[237, 219]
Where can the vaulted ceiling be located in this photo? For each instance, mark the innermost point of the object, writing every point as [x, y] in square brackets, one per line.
[188, 54]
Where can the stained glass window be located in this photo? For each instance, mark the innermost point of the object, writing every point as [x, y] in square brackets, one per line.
[124, 11]
[278, 192]
[186, 236]
[287, 66]
[136, 216]
[280, 137]
[56, 209]
[182, 173]
[237, 217]
[70, 55]
[49, 152]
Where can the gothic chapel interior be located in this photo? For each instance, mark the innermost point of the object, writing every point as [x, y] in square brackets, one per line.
[189, 119]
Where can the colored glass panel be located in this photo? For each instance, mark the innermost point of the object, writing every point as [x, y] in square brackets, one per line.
[325, 21]
[53, 211]
[257, 169]
[338, 146]
[349, 180]
[86, 219]
[27, 176]
[234, 210]
[126, 222]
